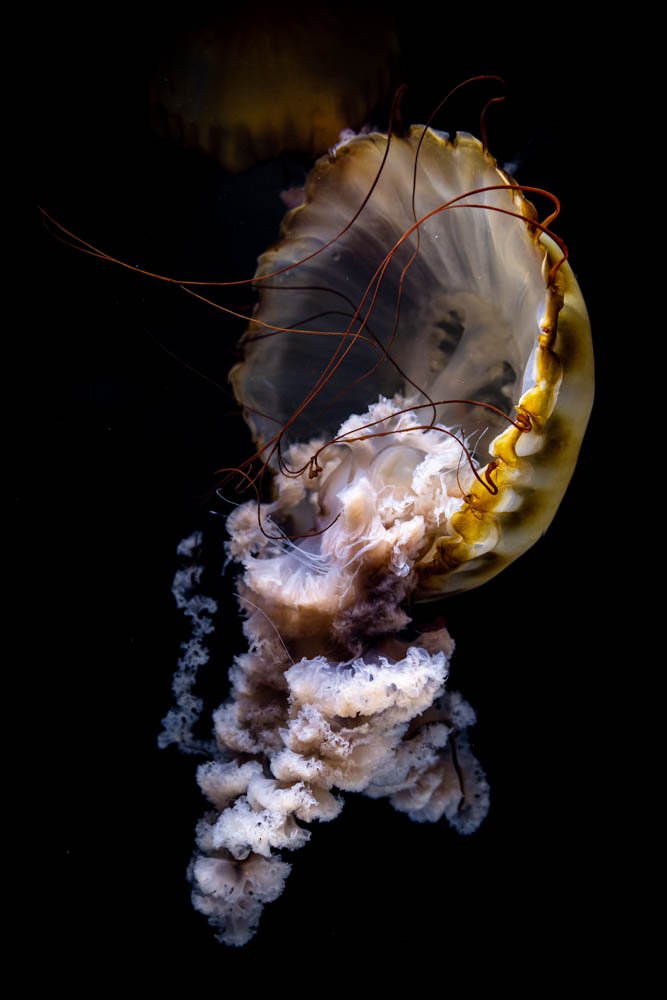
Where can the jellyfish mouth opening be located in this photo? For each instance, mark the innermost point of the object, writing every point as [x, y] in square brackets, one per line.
[358, 528]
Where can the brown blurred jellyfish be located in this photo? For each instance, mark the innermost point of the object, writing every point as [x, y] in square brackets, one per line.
[255, 82]
[417, 376]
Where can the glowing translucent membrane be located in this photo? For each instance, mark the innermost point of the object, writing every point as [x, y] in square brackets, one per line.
[467, 320]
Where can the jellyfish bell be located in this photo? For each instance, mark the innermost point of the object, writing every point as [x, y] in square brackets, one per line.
[446, 290]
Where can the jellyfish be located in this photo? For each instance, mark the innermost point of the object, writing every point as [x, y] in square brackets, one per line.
[417, 377]
[253, 83]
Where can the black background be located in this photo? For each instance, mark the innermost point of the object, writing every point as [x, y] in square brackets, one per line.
[125, 440]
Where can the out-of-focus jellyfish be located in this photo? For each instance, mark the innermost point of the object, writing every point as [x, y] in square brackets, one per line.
[253, 82]
[418, 377]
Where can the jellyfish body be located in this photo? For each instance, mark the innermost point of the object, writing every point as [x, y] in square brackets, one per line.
[419, 382]
[254, 83]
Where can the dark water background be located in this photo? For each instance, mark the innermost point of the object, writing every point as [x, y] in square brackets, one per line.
[128, 442]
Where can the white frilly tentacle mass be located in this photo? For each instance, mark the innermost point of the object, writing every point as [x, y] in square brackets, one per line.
[329, 698]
